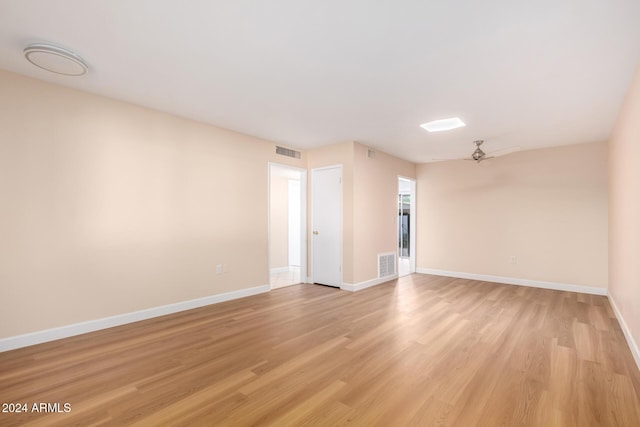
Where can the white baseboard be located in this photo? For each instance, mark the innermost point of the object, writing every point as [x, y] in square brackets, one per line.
[367, 284]
[515, 281]
[33, 338]
[627, 333]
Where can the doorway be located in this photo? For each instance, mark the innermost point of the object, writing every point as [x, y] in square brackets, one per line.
[326, 224]
[287, 225]
[406, 226]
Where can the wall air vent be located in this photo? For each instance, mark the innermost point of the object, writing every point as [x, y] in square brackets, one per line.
[287, 152]
[386, 264]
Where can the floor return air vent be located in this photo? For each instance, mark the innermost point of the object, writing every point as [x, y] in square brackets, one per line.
[386, 264]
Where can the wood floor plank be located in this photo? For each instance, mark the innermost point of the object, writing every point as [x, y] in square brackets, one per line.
[421, 350]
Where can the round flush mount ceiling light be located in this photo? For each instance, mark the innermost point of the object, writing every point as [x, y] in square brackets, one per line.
[55, 59]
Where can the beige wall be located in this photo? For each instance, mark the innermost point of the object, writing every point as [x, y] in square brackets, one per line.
[370, 191]
[547, 207]
[109, 208]
[279, 222]
[375, 205]
[624, 211]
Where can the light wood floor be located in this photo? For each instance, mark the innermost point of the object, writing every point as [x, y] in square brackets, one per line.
[420, 351]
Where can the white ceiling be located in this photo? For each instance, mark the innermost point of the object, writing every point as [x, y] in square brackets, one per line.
[310, 73]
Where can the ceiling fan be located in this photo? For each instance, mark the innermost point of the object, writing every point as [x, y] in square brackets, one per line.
[479, 156]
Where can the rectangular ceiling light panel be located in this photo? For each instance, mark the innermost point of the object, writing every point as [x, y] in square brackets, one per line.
[444, 124]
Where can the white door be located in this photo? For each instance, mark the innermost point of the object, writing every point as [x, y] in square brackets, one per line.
[326, 234]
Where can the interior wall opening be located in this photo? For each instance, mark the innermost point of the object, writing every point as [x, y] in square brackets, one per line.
[406, 226]
[287, 225]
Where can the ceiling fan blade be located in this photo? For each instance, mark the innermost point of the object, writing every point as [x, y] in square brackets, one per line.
[503, 152]
[481, 159]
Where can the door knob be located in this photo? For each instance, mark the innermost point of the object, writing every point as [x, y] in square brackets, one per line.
[315, 232]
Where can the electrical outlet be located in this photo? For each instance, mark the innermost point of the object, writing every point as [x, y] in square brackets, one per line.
[219, 269]
[513, 259]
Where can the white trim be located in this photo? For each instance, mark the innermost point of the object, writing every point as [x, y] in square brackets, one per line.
[412, 223]
[367, 284]
[515, 281]
[627, 333]
[33, 338]
[413, 232]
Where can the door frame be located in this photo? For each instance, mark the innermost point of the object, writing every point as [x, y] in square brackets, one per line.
[340, 225]
[303, 218]
[412, 223]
